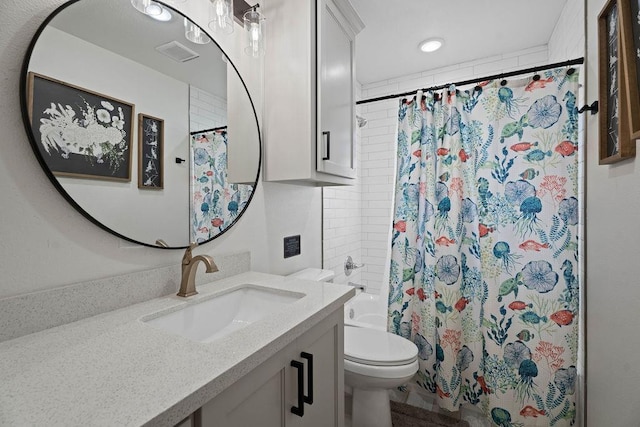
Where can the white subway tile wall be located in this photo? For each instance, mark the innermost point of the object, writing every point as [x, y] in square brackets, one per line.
[342, 224]
[568, 38]
[206, 110]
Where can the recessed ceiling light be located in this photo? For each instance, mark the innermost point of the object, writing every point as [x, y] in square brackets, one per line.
[164, 16]
[431, 45]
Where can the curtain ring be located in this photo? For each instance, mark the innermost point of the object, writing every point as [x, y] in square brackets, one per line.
[570, 71]
[536, 77]
[503, 83]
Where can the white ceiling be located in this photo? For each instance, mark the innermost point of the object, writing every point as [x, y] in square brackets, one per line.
[116, 26]
[386, 48]
[472, 29]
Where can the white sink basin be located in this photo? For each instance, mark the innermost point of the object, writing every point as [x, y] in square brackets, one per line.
[216, 317]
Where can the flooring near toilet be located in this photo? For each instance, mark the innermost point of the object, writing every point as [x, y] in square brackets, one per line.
[403, 415]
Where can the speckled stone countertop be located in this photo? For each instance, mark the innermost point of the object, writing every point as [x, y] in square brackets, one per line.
[113, 369]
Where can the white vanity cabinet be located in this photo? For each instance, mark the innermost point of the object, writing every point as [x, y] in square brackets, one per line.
[265, 396]
[309, 92]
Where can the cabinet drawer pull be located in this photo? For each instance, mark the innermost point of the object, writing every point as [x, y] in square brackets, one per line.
[299, 410]
[328, 145]
[309, 397]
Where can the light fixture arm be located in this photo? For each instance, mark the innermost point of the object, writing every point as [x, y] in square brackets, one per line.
[240, 7]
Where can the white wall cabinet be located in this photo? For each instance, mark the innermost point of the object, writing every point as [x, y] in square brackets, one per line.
[309, 92]
[265, 397]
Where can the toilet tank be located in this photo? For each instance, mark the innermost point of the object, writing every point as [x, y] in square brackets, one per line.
[315, 274]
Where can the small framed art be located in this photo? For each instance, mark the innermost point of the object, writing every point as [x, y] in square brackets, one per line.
[150, 152]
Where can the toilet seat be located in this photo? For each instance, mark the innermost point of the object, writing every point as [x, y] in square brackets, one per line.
[371, 347]
[380, 372]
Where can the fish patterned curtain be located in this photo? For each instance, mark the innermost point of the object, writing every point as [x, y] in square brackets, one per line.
[215, 202]
[484, 265]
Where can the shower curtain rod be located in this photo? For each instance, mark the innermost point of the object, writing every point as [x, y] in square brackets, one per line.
[207, 130]
[576, 61]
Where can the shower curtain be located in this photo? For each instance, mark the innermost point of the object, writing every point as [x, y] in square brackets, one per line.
[215, 203]
[484, 263]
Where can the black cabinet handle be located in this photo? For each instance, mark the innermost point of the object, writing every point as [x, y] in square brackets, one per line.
[328, 133]
[309, 397]
[299, 410]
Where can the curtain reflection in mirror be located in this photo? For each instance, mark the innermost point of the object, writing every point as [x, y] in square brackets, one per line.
[215, 202]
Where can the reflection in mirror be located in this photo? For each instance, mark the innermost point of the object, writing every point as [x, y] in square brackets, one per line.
[114, 100]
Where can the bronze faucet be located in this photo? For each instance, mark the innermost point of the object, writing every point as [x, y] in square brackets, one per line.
[189, 267]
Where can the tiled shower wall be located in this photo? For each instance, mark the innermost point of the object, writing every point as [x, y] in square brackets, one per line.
[342, 223]
[206, 110]
[368, 206]
[568, 38]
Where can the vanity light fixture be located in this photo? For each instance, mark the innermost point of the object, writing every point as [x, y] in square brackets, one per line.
[194, 33]
[221, 16]
[254, 27]
[431, 45]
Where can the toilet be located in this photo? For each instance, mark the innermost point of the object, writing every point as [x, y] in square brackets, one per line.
[374, 362]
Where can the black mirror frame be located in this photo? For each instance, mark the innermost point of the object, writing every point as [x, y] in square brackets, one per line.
[43, 164]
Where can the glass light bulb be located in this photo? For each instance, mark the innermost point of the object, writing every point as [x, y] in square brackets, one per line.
[221, 16]
[254, 31]
[221, 8]
[194, 33]
[253, 24]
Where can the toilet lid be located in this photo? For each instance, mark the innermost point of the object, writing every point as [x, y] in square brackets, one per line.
[375, 347]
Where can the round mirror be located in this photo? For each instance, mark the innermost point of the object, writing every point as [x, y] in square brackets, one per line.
[141, 121]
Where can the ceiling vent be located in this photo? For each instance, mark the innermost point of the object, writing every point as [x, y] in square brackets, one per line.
[176, 51]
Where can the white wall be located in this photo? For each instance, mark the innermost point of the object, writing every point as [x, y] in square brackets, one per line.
[45, 243]
[613, 270]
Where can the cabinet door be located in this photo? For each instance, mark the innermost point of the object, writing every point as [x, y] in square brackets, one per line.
[336, 147]
[265, 396]
[328, 384]
[256, 400]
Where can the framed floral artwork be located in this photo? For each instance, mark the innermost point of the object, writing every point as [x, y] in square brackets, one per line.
[150, 152]
[80, 133]
[630, 44]
[615, 142]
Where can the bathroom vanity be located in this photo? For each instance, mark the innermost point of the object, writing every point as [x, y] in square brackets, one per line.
[119, 368]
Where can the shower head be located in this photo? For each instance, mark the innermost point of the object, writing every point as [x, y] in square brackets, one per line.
[362, 122]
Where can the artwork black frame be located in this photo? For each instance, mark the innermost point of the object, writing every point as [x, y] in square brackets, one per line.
[80, 133]
[150, 152]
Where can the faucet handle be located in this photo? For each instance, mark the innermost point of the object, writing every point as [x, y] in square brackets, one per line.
[186, 258]
[349, 266]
